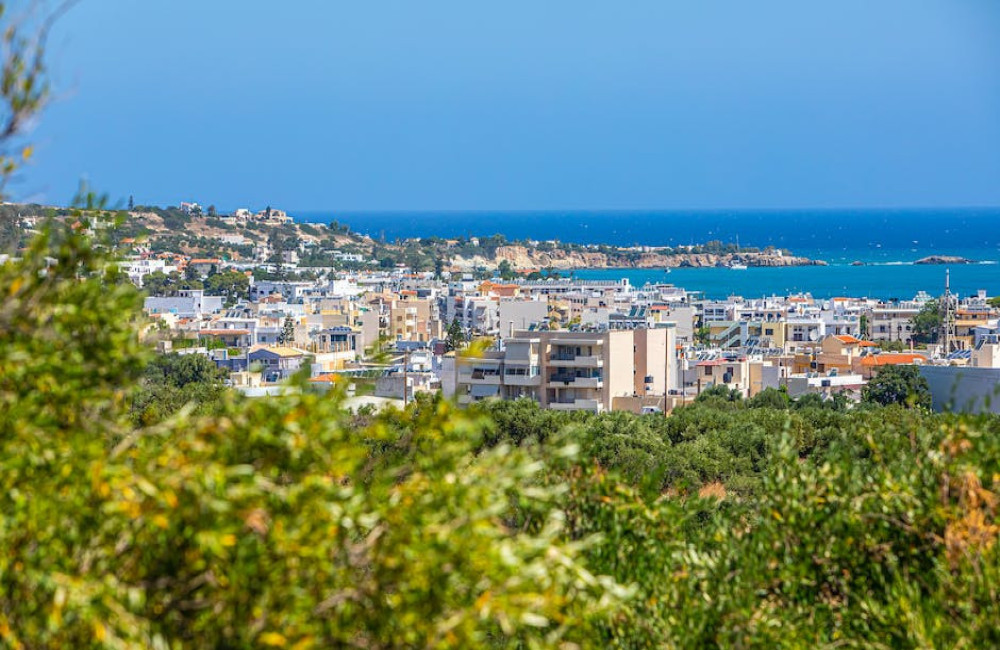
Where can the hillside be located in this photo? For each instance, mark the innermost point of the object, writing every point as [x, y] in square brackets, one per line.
[323, 245]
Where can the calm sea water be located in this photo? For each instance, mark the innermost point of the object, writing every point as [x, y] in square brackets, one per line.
[886, 240]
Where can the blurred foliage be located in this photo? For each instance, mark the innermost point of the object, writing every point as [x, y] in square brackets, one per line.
[279, 522]
[290, 522]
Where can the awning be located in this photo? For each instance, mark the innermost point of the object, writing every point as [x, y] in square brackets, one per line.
[485, 390]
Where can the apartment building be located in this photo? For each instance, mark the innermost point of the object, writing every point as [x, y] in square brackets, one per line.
[519, 315]
[413, 319]
[188, 303]
[479, 314]
[893, 321]
[804, 329]
[568, 370]
[734, 373]
[682, 314]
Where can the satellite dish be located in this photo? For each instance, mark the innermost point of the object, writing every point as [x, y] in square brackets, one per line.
[813, 335]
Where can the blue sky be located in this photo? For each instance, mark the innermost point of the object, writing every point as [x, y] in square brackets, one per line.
[561, 104]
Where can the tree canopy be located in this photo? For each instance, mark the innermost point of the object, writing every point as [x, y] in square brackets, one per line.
[903, 385]
[927, 322]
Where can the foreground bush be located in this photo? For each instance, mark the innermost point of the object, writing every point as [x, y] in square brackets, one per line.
[772, 528]
[264, 525]
[288, 522]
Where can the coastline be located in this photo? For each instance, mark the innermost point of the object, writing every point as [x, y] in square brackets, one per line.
[714, 268]
[522, 257]
[883, 282]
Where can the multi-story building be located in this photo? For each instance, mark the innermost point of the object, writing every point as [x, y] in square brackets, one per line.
[567, 370]
[893, 321]
[290, 291]
[517, 314]
[137, 269]
[734, 373]
[480, 314]
[188, 303]
[413, 319]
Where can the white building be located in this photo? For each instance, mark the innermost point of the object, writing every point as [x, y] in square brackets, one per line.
[189, 303]
[138, 269]
[515, 314]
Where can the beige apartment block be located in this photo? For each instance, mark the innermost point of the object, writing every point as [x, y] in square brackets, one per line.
[565, 370]
[893, 323]
[655, 361]
[413, 320]
[584, 371]
[731, 373]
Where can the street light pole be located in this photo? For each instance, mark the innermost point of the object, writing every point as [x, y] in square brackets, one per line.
[406, 362]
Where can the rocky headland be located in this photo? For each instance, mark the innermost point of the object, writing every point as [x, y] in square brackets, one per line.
[524, 257]
[944, 259]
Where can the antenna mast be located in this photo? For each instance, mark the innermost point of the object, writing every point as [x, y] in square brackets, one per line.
[946, 314]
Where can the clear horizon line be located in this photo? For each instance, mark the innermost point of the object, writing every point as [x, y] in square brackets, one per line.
[910, 208]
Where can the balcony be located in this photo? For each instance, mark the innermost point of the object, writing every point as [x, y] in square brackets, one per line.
[577, 405]
[480, 378]
[477, 393]
[572, 361]
[528, 360]
[522, 380]
[569, 381]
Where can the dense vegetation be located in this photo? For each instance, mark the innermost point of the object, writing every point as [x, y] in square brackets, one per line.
[132, 521]
[231, 285]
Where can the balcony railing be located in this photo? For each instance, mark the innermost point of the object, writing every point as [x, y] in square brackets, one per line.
[569, 381]
[492, 379]
[531, 360]
[575, 361]
[577, 405]
[522, 380]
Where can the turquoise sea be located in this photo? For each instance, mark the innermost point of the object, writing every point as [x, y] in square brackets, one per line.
[888, 241]
[876, 281]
